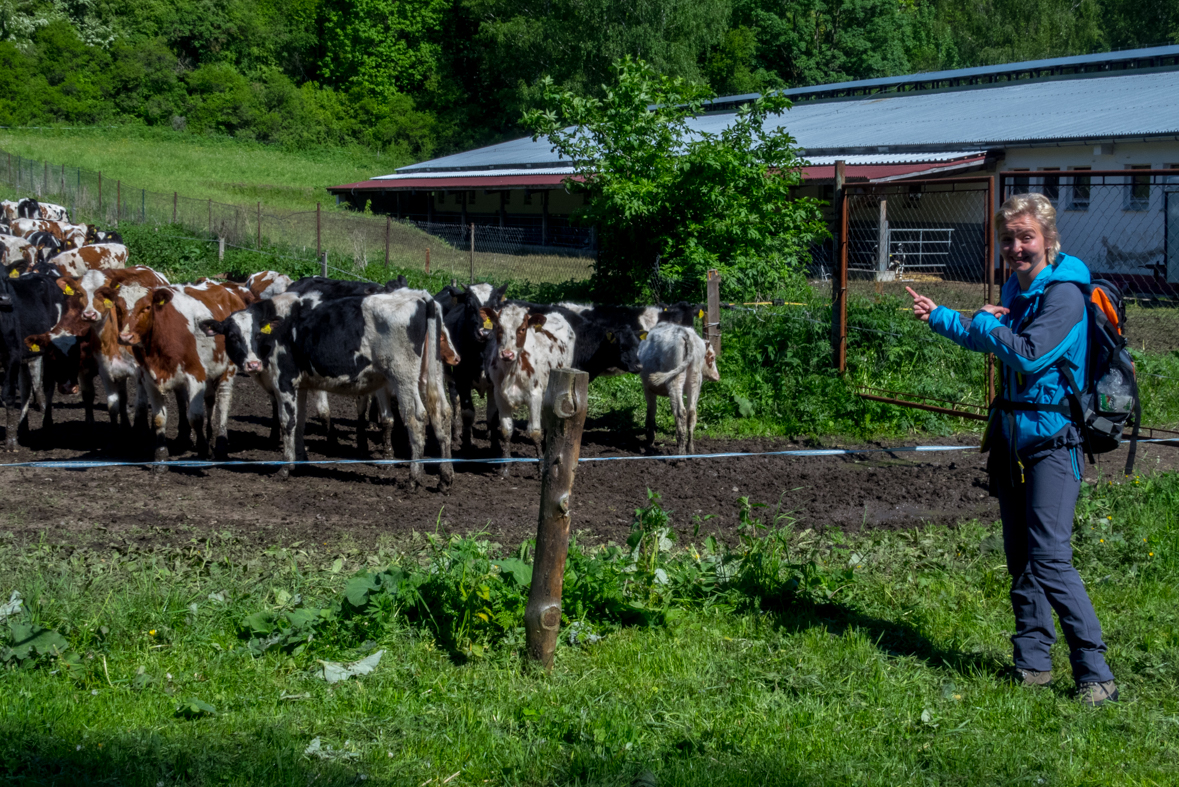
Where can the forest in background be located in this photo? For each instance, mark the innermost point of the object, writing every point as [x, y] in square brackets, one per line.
[420, 78]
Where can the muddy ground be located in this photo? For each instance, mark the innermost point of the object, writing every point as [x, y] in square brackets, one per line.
[126, 505]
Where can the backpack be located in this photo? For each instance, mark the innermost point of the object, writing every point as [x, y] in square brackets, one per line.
[1105, 404]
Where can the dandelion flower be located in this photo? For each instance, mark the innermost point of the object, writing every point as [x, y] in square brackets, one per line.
[1102, 540]
[152, 632]
[1151, 555]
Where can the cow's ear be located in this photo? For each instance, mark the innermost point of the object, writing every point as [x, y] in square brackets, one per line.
[490, 317]
[104, 297]
[642, 336]
[211, 327]
[161, 296]
[15, 269]
[67, 285]
[535, 321]
[610, 337]
[497, 295]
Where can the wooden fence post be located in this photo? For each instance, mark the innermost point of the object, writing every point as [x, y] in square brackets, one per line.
[318, 245]
[143, 205]
[712, 325]
[388, 230]
[210, 215]
[100, 195]
[563, 419]
[46, 186]
[427, 260]
[472, 279]
[839, 274]
[323, 264]
[220, 249]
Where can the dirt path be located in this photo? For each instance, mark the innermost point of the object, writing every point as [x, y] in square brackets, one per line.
[114, 506]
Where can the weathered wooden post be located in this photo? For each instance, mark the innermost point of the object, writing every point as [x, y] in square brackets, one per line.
[323, 264]
[839, 274]
[388, 231]
[472, 279]
[563, 419]
[46, 187]
[220, 249]
[712, 325]
[427, 260]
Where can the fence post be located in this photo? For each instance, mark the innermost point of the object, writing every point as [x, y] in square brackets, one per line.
[63, 188]
[220, 249]
[175, 200]
[323, 264]
[563, 419]
[46, 186]
[259, 228]
[472, 280]
[427, 260]
[318, 245]
[712, 326]
[882, 242]
[210, 215]
[839, 274]
[143, 205]
[388, 230]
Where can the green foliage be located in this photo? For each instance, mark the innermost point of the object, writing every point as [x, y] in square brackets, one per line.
[671, 201]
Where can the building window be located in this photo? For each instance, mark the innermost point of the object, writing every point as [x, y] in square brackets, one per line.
[471, 197]
[1138, 189]
[1052, 185]
[1079, 193]
[1021, 184]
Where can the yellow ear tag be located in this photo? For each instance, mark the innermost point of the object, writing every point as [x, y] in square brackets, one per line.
[643, 336]
[14, 274]
[69, 290]
[161, 302]
[266, 328]
[486, 324]
[117, 286]
[35, 348]
[106, 302]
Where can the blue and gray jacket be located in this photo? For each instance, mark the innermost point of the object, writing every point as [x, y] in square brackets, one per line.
[1044, 326]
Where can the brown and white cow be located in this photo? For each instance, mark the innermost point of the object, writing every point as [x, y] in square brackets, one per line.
[15, 249]
[267, 284]
[177, 357]
[101, 256]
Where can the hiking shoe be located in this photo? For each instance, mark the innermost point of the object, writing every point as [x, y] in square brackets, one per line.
[1094, 694]
[1030, 677]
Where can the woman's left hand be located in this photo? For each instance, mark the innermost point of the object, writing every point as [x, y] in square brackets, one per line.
[997, 311]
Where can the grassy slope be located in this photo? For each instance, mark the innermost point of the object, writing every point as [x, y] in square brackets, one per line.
[897, 679]
[221, 169]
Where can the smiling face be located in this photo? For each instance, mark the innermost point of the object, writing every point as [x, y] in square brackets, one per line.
[1021, 243]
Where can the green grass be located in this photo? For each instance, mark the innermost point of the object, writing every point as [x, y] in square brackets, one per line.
[892, 677]
[202, 167]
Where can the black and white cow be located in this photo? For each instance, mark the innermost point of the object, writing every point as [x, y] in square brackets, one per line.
[388, 344]
[470, 332]
[29, 304]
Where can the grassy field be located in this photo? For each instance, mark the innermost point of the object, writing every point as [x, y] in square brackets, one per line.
[791, 658]
[200, 167]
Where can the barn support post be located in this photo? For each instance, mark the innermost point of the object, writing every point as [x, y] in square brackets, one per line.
[427, 260]
[472, 277]
[318, 243]
[839, 277]
[563, 420]
[712, 326]
[388, 231]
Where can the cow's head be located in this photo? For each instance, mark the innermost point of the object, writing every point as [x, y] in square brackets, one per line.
[143, 315]
[682, 313]
[250, 335]
[510, 326]
[710, 370]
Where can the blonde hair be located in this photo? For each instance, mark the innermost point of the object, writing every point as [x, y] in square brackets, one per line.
[1039, 208]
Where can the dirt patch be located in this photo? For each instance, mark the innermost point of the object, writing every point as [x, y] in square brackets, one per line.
[117, 506]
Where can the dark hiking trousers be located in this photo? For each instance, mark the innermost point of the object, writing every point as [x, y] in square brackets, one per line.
[1037, 528]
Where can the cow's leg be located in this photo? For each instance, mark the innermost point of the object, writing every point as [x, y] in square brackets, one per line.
[224, 402]
[47, 388]
[300, 424]
[441, 420]
[467, 409]
[116, 403]
[454, 398]
[386, 408]
[535, 434]
[156, 402]
[37, 377]
[675, 390]
[183, 424]
[86, 390]
[415, 426]
[196, 401]
[363, 416]
[493, 433]
[652, 402]
[504, 431]
[275, 430]
[288, 421]
[694, 381]
[27, 397]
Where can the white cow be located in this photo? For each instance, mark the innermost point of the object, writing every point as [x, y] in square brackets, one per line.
[675, 362]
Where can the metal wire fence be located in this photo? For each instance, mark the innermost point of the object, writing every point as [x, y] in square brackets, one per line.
[1124, 224]
[352, 241]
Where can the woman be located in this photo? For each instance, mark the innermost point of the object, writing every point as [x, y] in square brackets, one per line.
[1039, 334]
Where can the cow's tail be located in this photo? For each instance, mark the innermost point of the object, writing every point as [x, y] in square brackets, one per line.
[660, 378]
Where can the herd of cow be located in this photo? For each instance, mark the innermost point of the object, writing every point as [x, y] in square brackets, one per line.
[71, 311]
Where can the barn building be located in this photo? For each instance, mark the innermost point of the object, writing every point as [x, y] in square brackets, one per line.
[1054, 119]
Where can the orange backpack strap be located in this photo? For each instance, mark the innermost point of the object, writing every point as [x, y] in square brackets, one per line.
[1102, 302]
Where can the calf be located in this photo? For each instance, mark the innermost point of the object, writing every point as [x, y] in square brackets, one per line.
[392, 344]
[94, 235]
[469, 332]
[675, 361]
[8, 210]
[267, 284]
[15, 249]
[177, 357]
[103, 256]
[48, 210]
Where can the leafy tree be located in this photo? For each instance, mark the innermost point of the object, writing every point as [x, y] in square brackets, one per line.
[673, 197]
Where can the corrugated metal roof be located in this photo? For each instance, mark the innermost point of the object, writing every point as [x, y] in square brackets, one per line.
[404, 173]
[1124, 106]
[1113, 59]
[893, 158]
